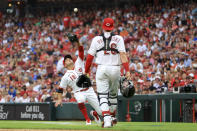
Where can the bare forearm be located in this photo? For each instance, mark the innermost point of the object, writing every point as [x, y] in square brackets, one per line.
[124, 60]
[125, 63]
[123, 57]
[60, 96]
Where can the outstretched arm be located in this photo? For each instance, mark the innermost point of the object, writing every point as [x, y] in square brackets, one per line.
[74, 40]
[81, 50]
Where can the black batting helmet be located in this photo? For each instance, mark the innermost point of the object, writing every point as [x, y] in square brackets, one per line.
[126, 87]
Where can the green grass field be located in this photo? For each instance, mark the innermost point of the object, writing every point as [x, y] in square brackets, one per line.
[80, 125]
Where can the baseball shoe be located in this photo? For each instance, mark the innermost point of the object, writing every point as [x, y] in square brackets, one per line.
[88, 122]
[95, 116]
[107, 122]
[114, 120]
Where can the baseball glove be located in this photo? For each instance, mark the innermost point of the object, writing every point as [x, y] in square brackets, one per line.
[72, 37]
[83, 81]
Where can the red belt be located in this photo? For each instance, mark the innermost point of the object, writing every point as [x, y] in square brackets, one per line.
[85, 89]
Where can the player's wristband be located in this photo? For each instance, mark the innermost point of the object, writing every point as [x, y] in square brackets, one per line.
[126, 66]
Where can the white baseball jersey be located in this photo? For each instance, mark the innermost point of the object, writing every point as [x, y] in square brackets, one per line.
[71, 76]
[107, 57]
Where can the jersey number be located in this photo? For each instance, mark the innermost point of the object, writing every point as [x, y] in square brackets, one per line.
[73, 77]
[113, 46]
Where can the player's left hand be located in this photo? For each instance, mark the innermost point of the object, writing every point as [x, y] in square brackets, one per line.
[72, 37]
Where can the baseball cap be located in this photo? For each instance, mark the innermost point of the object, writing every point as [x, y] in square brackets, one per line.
[108, 24]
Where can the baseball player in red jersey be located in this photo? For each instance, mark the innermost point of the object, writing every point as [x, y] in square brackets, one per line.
[74, 70]
[110, 53]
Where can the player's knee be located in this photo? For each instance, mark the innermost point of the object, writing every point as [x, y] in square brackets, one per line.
[113, 95]
[103, 98]
[80, 100]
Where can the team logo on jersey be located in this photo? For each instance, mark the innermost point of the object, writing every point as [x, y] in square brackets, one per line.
[80, 70]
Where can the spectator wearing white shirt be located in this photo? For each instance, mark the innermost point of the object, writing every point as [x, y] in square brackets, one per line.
[9, 99]
[152, 78]
[148, 51]
[37, 86]
[25, 98]
[6, 99]
[141, 48]
[18, 98]
[165, 15]
[3, 97]
[156, 65]
[34, 98]
[180, 64]
[133, 65]
[60, 66]
[45, 95]
[188, 61]
[61, 27]
[9, 24]
[139, 63]
[139, 68]
[156, 83]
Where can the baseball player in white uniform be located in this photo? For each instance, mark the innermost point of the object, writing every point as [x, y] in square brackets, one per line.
[74, 70]
[110, 53]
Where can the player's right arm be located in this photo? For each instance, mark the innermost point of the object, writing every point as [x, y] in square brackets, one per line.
[123, 58]
[125, 63]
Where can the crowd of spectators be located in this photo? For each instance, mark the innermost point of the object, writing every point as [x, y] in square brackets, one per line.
[161, 43]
